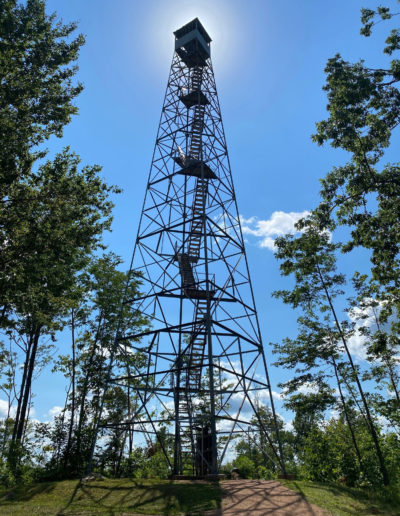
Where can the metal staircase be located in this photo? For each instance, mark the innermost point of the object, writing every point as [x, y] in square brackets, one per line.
[198, 116]
[186, 271]
[192, 163]
[194, 349]
[190, 384]
[196, 230]
[197, 342]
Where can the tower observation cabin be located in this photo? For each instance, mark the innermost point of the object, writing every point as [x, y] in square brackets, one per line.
[192, 44]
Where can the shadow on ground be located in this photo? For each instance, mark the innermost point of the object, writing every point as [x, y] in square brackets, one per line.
[262, 498]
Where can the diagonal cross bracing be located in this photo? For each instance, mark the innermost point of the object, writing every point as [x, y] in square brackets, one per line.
[202, 353]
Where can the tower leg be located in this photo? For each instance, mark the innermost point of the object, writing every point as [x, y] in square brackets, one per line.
[195, 286]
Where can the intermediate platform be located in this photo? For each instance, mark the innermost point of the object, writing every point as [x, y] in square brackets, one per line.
[194, 167]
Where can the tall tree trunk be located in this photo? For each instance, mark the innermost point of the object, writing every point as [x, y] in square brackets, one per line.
[28, 385]
[60, 437]
[392, 379]
[85, 388]
[71, 423]
[374, 435]
[27, 418]
[22, 387]
[346, 414]
[11, 396]
[352, 394]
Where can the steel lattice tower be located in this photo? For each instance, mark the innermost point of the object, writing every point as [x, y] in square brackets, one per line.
[205, 362]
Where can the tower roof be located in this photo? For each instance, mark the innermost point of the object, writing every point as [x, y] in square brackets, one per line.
[194, 24]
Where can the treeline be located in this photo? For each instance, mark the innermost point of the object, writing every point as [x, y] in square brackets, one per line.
[343, 364]
[321, 450]
[54, 272]
[358, 215]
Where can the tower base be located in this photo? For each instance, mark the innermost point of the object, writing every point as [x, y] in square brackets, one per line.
[210, 477]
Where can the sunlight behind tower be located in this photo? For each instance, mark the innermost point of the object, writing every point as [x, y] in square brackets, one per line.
[198, 374]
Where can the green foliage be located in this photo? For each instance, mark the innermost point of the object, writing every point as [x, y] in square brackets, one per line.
[324, 453]
[36, 90]
[362, 195]
[53, 214]
[245, 466]
[363, 107]
[318, 457]
[329, 455]
[140, 465]
[96, 321]
[256, 455]
[58, 216]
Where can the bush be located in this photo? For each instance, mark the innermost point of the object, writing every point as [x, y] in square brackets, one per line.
[264, 473]
[245, 466]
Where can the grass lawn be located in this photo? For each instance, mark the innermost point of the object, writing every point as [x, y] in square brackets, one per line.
[345, 501]
[114, 497]
[124, 497]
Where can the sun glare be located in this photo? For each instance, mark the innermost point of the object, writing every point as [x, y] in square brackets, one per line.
[217, 18]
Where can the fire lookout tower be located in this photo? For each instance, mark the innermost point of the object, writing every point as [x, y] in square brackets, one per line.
[205, 370]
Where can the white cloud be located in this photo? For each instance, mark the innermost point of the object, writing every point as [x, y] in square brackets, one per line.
[4, 409]
[277, 395]
[55, 411]
[357, 347]
[288, 426]
[280, 223]
[307, 388]
[364, 316]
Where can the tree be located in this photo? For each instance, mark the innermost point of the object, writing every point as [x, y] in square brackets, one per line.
[8, 365]
[36, 90]
[95, 321]
[60, 226]
[310, 257]
[364, 109]
[363, 195]
[255, 447]
[382, 346]
[53, 215]
[36, 101]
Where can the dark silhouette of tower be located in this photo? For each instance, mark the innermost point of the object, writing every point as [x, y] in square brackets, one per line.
[203, 370]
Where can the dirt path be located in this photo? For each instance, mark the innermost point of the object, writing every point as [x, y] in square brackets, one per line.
[262, 498]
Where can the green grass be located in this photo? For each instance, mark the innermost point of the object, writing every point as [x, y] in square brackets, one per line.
[346, 501]
[112, 497]
[117, 497]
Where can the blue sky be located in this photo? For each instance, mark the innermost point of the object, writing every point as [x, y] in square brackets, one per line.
[268, 58]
